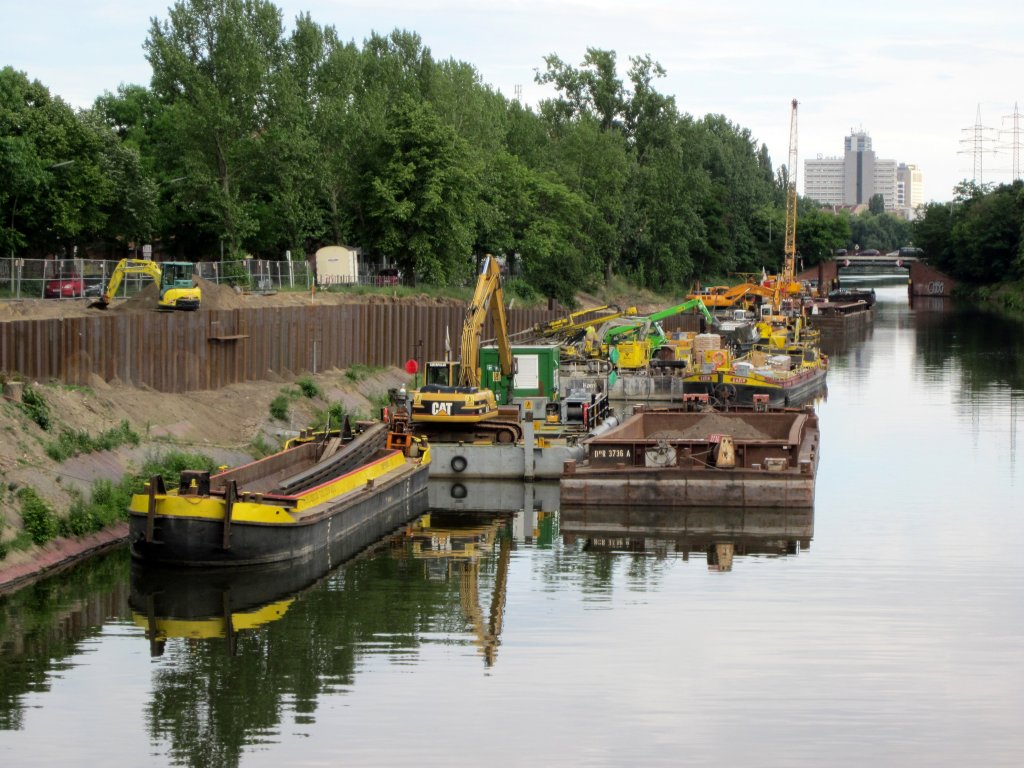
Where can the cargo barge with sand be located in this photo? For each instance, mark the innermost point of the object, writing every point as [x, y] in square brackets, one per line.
[753, 457]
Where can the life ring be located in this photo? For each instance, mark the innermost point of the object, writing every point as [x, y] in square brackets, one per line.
[719, 358]
[459, 463]
[458, 491]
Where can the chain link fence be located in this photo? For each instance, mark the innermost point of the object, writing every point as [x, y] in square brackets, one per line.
[77, 278]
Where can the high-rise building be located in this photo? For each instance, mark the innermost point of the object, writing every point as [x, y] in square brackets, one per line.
[855, 178]
[910, 186]
[823, 180]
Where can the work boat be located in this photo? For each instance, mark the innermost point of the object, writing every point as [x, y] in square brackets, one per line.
[787, 365]
[320, 489]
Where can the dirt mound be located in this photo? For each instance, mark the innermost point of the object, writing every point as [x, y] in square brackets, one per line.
[215, 296]
[218, 296]
[713, 424]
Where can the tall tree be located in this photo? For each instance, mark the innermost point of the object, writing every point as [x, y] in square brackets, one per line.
[212, 62]
[419, 193]
[56, 193]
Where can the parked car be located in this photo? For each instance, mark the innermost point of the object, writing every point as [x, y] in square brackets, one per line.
[67, 287]
[389, 277]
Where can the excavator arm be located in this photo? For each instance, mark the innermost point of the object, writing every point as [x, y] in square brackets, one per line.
[641, 325]
[126, 267]
[488, 296]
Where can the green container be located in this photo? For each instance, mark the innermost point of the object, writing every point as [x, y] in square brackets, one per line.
[537, 372]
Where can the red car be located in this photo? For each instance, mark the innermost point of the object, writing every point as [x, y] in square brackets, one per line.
[68, 287]
[389, 277]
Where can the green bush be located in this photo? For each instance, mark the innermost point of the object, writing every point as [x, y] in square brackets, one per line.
[279, 407]
[332, 417]
[358, 372]
[378, 401]
[309, 388]
[235, 273]
[35, 406]
[259, 447]
[108, 502]
[38, 518]
[522, 291]
[72, 442]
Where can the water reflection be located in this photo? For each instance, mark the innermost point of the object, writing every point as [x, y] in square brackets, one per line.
[47, 622]
[983, 349]
[718, 534]
[452, 546]
[534, 503]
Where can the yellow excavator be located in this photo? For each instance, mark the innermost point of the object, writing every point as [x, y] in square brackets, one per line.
[454, 404]
[178, 288]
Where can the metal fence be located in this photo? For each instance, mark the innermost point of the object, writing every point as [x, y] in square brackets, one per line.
[74, 278]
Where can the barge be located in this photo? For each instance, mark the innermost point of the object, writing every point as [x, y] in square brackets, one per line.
[706, 458]
[789, 372]
[294, 504]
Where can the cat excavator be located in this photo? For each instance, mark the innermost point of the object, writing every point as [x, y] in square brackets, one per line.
[454, 404]
[178, 288]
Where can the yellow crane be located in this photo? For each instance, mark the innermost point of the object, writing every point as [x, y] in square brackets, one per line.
[784, 283]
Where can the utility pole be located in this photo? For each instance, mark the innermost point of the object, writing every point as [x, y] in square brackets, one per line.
[1013, 145]
[978, 139]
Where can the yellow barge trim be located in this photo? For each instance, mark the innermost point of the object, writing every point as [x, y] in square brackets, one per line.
[268, 509]
[214, 626]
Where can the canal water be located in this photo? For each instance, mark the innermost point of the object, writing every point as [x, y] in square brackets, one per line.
[885, 629]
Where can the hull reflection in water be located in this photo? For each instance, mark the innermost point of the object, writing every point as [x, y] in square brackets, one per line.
[220, 602]
[717, 533]
[533, 504]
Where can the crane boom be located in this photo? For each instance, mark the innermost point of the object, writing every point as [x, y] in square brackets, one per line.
[789, 250]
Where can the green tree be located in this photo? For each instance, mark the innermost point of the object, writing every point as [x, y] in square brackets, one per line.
[876, 204]
[819, 234]
[56, 191]
[418, 193]
[212, 62]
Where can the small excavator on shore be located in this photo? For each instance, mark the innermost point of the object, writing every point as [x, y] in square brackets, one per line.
[178, 288]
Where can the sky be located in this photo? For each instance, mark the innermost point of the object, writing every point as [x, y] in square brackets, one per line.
[914, 75]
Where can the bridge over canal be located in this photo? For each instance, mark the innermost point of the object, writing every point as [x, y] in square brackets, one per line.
[922, 279]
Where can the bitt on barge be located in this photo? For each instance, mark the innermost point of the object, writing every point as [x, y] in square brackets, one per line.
[684, 458]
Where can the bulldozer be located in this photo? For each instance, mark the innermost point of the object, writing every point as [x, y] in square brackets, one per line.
[178, 288]
[453, 404]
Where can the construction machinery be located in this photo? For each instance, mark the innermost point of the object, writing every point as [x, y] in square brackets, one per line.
[784, 283]
[175, 279]
[727, 296]
[453, 404]
[638, 340]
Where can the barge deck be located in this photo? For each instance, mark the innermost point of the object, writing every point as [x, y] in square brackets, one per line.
[708, 458]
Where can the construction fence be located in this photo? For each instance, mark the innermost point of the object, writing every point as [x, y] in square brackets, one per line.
[74, 278]
[210, 349]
